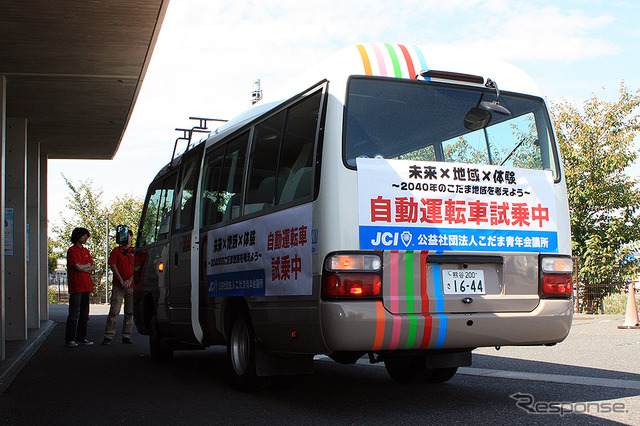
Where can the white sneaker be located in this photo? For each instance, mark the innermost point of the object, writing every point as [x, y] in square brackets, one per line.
[84, 342]
[71, 344]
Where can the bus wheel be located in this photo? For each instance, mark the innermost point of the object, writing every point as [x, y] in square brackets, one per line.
[241, 350]
[160, 349]
[441, 375]
[408, 369]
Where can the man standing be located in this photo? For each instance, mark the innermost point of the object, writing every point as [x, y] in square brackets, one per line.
[121, 263]
[79, 268]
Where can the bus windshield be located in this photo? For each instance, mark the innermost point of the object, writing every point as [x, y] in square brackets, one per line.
[418, 120]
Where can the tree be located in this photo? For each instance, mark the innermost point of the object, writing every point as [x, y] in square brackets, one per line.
[604, 202]
[52, 256]
[89, 211]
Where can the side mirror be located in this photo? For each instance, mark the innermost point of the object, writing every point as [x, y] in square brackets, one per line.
[477, 118]
[495, 107]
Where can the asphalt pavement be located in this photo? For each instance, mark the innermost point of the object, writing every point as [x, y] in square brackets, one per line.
[120, 384]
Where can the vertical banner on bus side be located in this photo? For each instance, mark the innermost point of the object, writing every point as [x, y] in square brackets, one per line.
[420, 205]
[266, 256]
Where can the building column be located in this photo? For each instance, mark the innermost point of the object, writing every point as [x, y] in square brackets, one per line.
[43, 235]
[15, 242]
[34, 253]
[3, 127]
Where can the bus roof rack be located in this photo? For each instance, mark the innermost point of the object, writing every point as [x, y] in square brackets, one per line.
[187, 134]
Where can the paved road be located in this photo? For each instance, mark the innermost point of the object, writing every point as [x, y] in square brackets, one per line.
[594, 372]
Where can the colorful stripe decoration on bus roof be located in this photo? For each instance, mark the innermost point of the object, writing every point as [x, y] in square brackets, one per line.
[411, 315]
[391, 60]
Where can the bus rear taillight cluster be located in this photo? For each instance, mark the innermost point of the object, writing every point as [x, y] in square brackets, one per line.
[352, 275]
[555, 277]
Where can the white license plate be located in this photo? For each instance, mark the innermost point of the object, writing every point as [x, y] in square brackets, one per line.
[463, 281]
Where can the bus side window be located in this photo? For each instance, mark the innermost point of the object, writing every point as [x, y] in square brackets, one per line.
[213, 198]
[183, 216]
[156, 214]
[166, 204]
[231, 179]
[297, 149]
[149, 228]
[261, 179]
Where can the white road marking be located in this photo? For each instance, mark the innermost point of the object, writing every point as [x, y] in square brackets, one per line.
[523, 375]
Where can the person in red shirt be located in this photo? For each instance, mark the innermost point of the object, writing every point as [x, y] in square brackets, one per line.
[79, 268]
[121, 263]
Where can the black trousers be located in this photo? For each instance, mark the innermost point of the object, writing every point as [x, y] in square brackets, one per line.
[78, 316]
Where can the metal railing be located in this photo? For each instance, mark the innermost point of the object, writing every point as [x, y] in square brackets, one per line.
[604, 294]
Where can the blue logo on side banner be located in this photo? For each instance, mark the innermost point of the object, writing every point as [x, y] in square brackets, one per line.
[240, 283]
[454, 239]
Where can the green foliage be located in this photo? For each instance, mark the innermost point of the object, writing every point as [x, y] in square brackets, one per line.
[461, 151]
[513, 143]
[616, 304]
[52, 296]
[604, 202]
[52, 256]
[88, 211]
[426, 153]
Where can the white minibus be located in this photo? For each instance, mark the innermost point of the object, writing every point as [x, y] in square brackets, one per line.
[399, 203]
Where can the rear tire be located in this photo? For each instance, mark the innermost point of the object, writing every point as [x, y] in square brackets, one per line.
[441, 375]
[160, 349]
[241, 351]
[411, 369]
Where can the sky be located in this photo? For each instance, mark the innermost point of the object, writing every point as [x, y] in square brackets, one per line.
[209, 52]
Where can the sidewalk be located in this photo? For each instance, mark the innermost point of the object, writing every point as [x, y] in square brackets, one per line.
[18, 353]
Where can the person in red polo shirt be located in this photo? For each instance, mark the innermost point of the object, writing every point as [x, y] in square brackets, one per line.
[79, 268]
[121, 263]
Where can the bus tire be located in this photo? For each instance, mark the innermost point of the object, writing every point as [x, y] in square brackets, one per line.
[241, 351]
[408, 369]
[441, 375]
[160, 349]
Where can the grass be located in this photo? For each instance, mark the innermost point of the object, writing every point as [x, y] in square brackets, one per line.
[616, 304]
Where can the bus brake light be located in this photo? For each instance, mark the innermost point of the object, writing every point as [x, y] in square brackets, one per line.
[557, 285]
[352, 285]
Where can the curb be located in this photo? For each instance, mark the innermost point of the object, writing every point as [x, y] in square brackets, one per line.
[10, 368]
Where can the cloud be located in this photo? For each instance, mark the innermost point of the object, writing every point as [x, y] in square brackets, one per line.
[210, 51]
[521, 31]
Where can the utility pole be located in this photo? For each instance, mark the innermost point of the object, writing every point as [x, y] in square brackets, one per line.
[106, 264]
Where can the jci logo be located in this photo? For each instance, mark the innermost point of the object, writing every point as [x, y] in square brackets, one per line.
[391, 239]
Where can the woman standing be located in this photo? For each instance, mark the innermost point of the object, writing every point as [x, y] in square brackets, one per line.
[79, 268]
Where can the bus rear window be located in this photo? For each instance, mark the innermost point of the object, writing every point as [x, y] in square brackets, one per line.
[418, 120]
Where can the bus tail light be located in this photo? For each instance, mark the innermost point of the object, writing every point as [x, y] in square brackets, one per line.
[353, 262]
[555, 279]
[352, 285]
[557, 285]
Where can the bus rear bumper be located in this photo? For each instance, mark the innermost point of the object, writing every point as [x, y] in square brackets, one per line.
[367, 326]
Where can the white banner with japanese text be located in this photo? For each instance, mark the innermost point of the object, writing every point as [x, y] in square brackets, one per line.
[266, 256]
[419, 205]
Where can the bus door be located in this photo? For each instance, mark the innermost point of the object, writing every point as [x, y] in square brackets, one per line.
[182, 246]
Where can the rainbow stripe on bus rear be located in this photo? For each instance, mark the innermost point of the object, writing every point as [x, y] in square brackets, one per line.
[412, 314]
[391, 60]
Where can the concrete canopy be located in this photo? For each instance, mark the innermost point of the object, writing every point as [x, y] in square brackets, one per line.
[74, 69]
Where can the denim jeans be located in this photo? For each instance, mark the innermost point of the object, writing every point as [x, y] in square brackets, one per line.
[78, 316]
